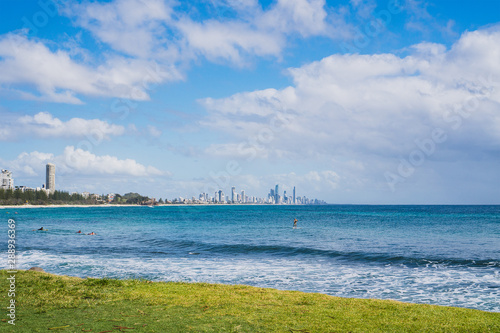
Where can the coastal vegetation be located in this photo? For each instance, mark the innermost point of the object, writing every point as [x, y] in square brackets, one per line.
[46, 302]
[19, 197]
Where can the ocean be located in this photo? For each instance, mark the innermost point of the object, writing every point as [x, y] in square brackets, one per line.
[445, 255]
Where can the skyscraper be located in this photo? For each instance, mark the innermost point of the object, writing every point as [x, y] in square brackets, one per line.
[6, 180]
[243, 198]
[50, 178]
[233, 198]
[294, 202]
[277, 194]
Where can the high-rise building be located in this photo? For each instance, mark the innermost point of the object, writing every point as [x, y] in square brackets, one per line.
[243, 199]
[6, 180]
[221, 196]
[50, 178]
[277, 194]
[294, 202]
[233, 194]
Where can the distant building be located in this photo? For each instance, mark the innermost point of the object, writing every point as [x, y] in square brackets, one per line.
[50, 178]
[243, 198]
[6, 180]
[277, 194]
[294, 202]
[233, 198]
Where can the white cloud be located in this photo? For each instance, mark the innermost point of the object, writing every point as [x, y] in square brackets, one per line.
[77, 162]
[230, 41]
[372, 108]
[59, 78]
[350, 99]
[131, 26]
[81, 161]
[156, 29]
[45, 125]
[149, 42]
[306, 17]
[257, 32]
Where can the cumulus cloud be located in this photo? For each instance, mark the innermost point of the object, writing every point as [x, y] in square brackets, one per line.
[81, 161]
[229, 41]
[133, 27]
[350, 99]
[307, 17]
[59, 78]
[371, 108]
[148, 42]
[75, 161]
[45, 125]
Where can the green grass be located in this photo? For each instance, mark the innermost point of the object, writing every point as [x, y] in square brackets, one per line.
[50, 303]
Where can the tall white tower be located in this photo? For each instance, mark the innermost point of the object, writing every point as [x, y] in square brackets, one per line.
[50, 178]
[6, 180]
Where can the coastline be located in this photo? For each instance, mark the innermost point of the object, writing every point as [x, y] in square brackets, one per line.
[62, 206]
[126, 205]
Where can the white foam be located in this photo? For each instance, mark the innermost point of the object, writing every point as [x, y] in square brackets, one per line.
[471, 287]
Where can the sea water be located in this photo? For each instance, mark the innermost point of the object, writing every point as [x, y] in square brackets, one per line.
[446, 255]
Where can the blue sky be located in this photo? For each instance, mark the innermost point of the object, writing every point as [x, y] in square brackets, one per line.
[357, 101]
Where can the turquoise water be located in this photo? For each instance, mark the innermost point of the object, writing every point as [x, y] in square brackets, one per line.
[447, 255]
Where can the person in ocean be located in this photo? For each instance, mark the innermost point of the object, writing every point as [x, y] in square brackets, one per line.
[92, 233]
[79, 232]
[41, 229]
[295, 223]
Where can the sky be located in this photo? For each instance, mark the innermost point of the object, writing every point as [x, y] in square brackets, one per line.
[351, 102]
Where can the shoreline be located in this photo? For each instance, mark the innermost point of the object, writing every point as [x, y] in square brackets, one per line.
[126, 205]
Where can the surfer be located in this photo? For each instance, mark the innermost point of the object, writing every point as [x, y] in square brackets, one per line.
[42, 229]
[295, 223]
[79, 232]
[92, 233]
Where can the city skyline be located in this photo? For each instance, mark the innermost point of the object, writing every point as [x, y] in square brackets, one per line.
[273, 197]
[354, 102]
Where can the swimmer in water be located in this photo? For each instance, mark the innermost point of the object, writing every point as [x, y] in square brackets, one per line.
[92, 233]
[295, 223]
[41, 229]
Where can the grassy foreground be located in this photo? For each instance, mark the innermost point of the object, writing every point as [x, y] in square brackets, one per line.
[47, 303]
